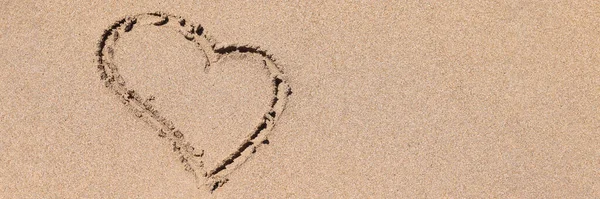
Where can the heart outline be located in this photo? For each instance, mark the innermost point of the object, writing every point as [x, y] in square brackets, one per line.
[211, 178]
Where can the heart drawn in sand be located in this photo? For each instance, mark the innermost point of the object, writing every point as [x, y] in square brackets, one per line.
[246, 71]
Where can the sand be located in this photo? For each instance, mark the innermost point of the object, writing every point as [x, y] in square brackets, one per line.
[307, 99]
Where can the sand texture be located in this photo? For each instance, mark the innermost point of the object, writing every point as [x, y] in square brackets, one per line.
[308, 99]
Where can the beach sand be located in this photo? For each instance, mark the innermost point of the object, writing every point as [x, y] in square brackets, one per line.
[309, 99]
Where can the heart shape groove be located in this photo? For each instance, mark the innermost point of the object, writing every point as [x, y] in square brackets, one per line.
[211, 177]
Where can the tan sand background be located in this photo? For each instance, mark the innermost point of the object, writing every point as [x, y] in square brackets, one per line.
[472, 99]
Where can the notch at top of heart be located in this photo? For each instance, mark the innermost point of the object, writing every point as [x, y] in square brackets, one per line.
[192, 32]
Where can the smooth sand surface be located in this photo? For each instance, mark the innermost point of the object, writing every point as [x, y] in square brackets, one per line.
[387, 100]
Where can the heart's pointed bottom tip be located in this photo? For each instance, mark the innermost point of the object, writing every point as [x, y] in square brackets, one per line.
[215, 182]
